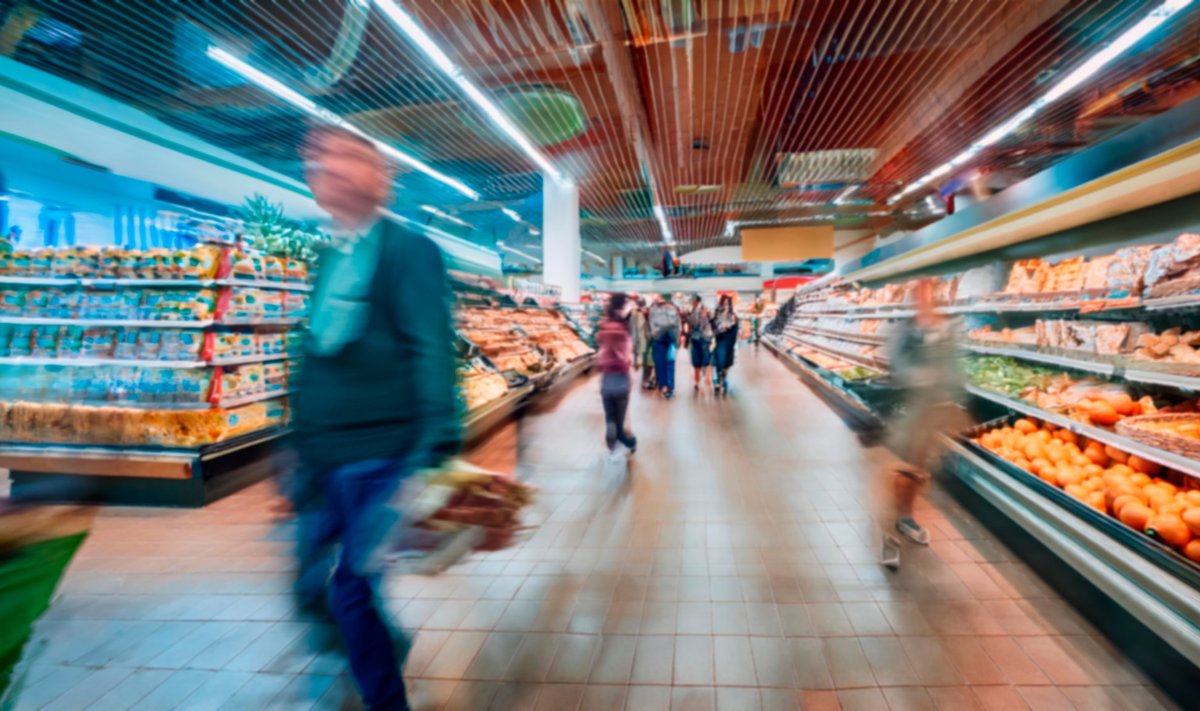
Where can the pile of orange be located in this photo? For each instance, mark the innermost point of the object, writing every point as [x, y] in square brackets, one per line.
[1122, 485]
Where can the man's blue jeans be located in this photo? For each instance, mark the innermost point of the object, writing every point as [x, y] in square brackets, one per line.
[353, 511]
[664, 365]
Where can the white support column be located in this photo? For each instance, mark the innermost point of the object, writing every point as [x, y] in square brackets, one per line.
[561, 248]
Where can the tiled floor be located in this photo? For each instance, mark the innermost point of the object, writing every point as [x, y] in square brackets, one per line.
[736, 571]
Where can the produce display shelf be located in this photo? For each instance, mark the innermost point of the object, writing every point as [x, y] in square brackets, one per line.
[1038, 356]
[110, 322]
[1183, 301]
[864, 338]
[848, 403]
[231, 402]
[99, 362]
[878, 364]
[482, 419]
[1163, 602]
[1184, 465]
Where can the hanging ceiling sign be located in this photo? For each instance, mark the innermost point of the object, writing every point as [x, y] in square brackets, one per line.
[787, 243]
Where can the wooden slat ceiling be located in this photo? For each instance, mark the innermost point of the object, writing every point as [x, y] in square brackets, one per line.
[718, 110]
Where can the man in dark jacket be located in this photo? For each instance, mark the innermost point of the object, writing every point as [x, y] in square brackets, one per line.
[375, 400]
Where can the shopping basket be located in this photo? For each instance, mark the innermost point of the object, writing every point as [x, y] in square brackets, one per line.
[28, 576]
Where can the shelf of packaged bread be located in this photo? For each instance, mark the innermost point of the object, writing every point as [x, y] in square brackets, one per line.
[110, 322]
[226, 403]
[1049, 358]
[281, 321]
[863, 338]
[874, 364]
[138, 362]
[163, 282]
[1183, 465]
[101, 362]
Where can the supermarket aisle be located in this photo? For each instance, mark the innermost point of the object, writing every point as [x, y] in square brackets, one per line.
[736, 571]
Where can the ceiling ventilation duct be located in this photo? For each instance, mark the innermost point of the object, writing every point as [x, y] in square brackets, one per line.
[824, 170]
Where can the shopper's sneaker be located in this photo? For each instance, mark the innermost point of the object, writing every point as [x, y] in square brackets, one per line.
[632, 446]
[913, 531]
[890, 555]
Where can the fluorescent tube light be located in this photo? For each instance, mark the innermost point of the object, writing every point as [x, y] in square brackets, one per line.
[407, 25]
[534, 231]
[661, 216]
[310, 107]
[511, 214]
[446, 216]
[844, 196]
[1073, 80]
[519, 253]
[595, 256]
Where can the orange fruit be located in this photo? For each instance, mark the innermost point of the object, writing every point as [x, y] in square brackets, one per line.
[1097, 455]
[1077, 491]
[1095, 499]
[1115, 454]
[1037, 465]
[1191, 518]
[1170, 507]
[1123, 469]
[1103, 414]
[1193, 496]
[1093, 483]
[1068, 476]
[1166, 485]
[1120, 502]
[1136, 515]
[1192, 550]
[1143, 466]
[1170, 529]
[1093, 471]
[1049, 475]
[1139, 479]
[1042, 436]
[1067, 436]
[1121, 402]
[1025, 426]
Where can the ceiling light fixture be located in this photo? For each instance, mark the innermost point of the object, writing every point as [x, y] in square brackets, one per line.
[1080, 74]
[661, 216]
[446, 216]
[409, 27]
[511, 214]
[844, 196]
[595, 256]
[310, 107]
[519, 253]
[534, 231]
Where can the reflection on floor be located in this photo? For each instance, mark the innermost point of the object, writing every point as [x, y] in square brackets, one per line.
[737, 569]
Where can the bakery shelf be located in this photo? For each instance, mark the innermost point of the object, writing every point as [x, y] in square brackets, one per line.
[101, 282]
[227, 403]
[266, 284]
[282, 321]
[864, 338]
[879, 364]
[1184, 465]
[1152, 376]
[99, 362]
[1039, 356]
[111, 322]
[250, 359]
[1183, 301]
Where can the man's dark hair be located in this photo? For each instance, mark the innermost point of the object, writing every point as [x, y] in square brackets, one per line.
[616, 303]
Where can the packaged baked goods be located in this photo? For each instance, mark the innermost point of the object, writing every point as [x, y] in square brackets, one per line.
[1066, 276]
[42, 261]
[132, 265]
[296, 270]
[87, 264]
[45, 342]
[272, 343]
[1028, 276]
[1095, 276]
[63, 262]
[98, 342]
[12, 302]
[22, 262]
[273, 268]
[21, 341]
[199, 262]
[246, 265]
[7, 267]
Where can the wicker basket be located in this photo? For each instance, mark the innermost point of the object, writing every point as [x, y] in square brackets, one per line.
[1135, 428]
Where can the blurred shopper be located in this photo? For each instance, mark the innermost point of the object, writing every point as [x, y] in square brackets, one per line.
[665, 325]
[638, 331]
[756, 313]
[375, 400]
[700, 339]
[923, 363]
[725, 331]
[614, 359]
[647, 347]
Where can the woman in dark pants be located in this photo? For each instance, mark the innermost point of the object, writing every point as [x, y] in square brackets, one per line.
[725, 330]
[614, 359]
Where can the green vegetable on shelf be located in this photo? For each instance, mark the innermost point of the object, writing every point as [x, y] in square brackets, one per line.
[1005, 375]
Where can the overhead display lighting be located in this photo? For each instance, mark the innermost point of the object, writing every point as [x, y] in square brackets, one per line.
[446, 216]
[310, 107]
[518, 252]
[595, 256]
[1082, 73]
[844, 196]
[511, 214]
[661, 215]
[409, 27]
[534, 231]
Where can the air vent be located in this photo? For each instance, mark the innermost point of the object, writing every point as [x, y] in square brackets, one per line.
[824, 170]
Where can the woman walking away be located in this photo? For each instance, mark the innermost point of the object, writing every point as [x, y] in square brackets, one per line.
[614, 359]
[725, 329]
[664, 333]
[700, 336]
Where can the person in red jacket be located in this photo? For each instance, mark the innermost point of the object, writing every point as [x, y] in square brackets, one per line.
[614, 359]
